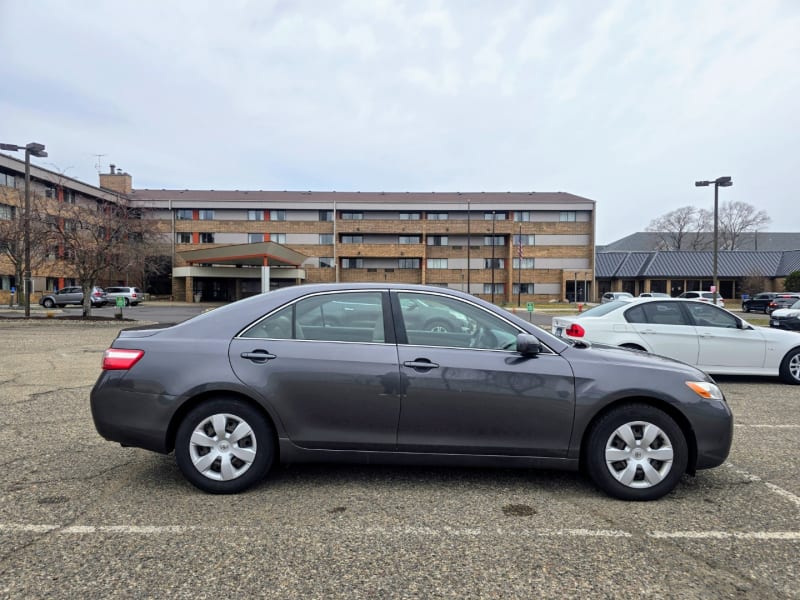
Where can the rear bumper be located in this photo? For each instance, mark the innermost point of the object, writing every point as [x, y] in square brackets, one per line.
[132, 418]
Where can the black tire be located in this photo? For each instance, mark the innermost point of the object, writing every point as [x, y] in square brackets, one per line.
[48, 303]
[604, 436]
[259, 441]
[746, 309]
[790, 367]
[127, 302]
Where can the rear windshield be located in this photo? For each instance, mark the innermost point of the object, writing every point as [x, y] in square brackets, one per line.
[604, 309]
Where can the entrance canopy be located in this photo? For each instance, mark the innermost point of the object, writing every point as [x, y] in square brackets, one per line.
[261, 254]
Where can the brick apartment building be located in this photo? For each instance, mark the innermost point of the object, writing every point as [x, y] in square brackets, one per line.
[531, 246]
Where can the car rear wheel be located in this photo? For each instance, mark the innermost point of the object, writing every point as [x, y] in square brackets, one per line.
[127, 302]
[790, 367]
[636, 452]
[224, 446]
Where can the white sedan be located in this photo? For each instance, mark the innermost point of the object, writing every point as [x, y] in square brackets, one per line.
[697, 333]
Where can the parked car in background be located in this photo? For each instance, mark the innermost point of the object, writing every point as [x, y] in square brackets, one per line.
[611, 296]
[782, 301]
[786, 318]
[759, 302]
[703, 297]
[234, 390]
[132, 295]
[697, 333]
[654, 295]
[72, 295]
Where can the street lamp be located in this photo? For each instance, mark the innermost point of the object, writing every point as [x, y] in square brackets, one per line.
[32, 149]
[718, 183]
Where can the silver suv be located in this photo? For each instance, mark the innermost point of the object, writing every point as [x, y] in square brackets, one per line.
[73, 295]
[132, 295]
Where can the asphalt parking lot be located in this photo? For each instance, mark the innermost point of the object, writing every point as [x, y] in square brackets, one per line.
[82, 517]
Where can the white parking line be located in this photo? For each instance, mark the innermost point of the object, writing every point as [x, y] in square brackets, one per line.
[443, 532]
[770, 486]
[760, 426]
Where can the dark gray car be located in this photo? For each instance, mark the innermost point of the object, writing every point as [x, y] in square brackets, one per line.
[266, 379]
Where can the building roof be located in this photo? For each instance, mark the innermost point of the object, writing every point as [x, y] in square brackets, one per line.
[646, 241]
[289, 198]
[660, 265]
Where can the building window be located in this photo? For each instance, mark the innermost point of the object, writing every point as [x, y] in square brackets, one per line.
[8, 180]
[326, 262]
[206, 238]
[6, 212]
[408, 263]
[254, 238]
[567, 215]
[278, 238]
[69, 196]
[437, 263]
[277, 215]
[437, 216]
[498, 216]
[499, 263]
[437, 240]
[183, 214]
[326, 215]
[183, 238]
[499, 288]
[528, 239]
[352, 216]
[205, 215]
[527, 263]
[255, 215]
[499, 240]
[527, 288]
[410, 216]
[409, 239]
[325, 238]
[352, 263]
[522, 215]
[352, 239]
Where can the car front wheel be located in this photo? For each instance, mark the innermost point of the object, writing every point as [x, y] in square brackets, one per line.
[48, 303]
[636, 452]
[224, 446]
[790, 367]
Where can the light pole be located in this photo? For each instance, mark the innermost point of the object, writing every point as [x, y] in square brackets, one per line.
[32, 149]
[718, 183]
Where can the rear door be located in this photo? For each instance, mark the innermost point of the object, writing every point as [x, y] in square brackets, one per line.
[469, 391]
[665, 329]
[333, 386]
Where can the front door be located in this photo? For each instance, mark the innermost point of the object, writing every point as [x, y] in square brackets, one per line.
[468, 391]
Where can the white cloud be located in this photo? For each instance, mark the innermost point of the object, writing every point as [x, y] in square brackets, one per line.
[625, 102]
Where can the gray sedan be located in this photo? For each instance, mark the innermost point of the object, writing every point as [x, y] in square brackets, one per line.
[267, 379]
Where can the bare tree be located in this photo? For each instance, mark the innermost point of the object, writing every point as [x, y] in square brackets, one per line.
[12, 232]
[736, 218]
[689, 228]
[99, 238]
[675, 227]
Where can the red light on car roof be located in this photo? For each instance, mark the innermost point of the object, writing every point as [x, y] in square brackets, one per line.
[116, 359]
[575, 330]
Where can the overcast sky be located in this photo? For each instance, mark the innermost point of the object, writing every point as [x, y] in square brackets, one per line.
[623, 102]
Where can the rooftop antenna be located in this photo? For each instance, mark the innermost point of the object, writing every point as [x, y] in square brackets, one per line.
[98, 165]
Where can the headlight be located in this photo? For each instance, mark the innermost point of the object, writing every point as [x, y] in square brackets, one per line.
[706, 390]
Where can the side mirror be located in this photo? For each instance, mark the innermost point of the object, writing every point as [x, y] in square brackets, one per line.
[528, 345]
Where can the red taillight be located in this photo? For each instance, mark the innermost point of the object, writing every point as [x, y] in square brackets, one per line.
[575, 330]
[133, 295]
[116, 359]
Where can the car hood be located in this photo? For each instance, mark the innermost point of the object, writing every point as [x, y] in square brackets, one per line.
[626, 357]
